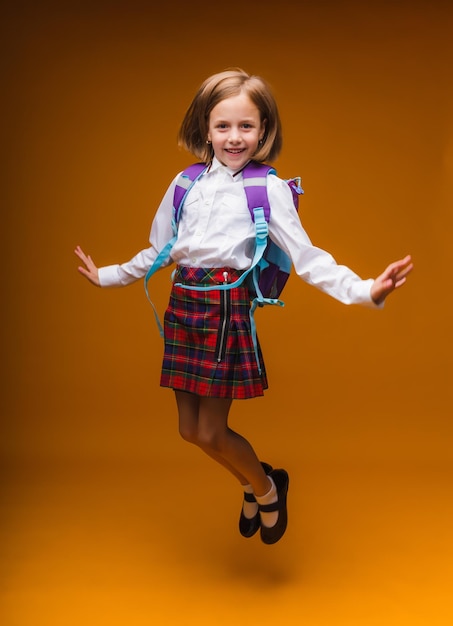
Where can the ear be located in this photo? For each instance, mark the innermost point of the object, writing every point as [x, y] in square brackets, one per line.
[263, 129]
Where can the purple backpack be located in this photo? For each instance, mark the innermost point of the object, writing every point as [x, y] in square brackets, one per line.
[270, 267]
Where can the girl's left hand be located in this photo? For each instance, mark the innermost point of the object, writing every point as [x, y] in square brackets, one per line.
[393, 277]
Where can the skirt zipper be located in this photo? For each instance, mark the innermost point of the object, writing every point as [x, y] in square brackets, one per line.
[225, 302]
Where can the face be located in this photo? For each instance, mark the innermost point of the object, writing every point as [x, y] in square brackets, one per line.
[235, 129]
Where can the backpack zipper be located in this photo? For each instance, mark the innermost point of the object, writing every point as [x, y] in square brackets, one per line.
[225, 305]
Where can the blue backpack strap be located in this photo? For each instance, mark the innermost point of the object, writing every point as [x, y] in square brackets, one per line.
[254, 178]
[261, 231]
[272, 272]
[255, 185]
[184, 183]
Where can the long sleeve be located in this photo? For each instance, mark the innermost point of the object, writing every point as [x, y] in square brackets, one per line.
[312, 264]
[216, 230]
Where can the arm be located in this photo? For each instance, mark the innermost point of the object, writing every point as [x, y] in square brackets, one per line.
[317, 267]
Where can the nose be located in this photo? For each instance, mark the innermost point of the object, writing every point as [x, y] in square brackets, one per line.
[235, 135]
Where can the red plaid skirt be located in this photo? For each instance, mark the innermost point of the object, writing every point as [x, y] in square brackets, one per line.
[208, 345]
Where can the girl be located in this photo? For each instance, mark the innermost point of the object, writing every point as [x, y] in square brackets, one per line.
[232, 120]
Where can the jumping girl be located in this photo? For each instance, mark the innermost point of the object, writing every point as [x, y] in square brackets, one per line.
[209, 357]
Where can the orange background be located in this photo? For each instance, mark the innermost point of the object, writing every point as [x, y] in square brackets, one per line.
[94, 98]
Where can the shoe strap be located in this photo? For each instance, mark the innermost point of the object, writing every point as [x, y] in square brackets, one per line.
[270, 508]
[249, 497]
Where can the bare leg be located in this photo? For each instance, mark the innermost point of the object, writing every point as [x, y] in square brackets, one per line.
[188, 409]
[204, 422]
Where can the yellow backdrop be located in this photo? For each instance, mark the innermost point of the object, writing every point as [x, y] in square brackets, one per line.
[94, 97]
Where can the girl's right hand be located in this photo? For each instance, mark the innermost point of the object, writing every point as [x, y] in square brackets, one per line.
[90, 271]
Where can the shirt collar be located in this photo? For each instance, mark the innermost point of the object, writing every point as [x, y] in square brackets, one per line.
[216, 165]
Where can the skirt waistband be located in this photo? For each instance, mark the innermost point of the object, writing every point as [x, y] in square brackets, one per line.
[203, 275]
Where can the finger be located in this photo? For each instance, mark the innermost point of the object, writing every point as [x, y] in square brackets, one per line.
[89, 276]
[394, 268]
[83, 271]
[409, 266]
[86, 259]
[404, 272]
[399, 269]
[80, 253]
[405, 264]
[400, 282]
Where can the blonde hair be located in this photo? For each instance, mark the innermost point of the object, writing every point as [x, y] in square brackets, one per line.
[193, 132]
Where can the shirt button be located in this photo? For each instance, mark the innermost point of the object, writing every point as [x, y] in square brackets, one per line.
[194, 260]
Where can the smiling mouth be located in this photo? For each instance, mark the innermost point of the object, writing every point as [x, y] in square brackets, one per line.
[237, 151]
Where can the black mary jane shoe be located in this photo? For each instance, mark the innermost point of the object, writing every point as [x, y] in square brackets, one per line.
[249, 526]
[272, 534]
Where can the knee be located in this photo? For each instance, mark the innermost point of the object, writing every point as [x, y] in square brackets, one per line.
[204, 439]
[188, 433]
[211, 440]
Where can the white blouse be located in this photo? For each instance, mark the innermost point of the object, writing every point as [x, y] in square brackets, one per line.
[216, 230]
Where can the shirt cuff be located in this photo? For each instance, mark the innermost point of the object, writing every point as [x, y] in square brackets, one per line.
[109, 276]
[367, 299]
